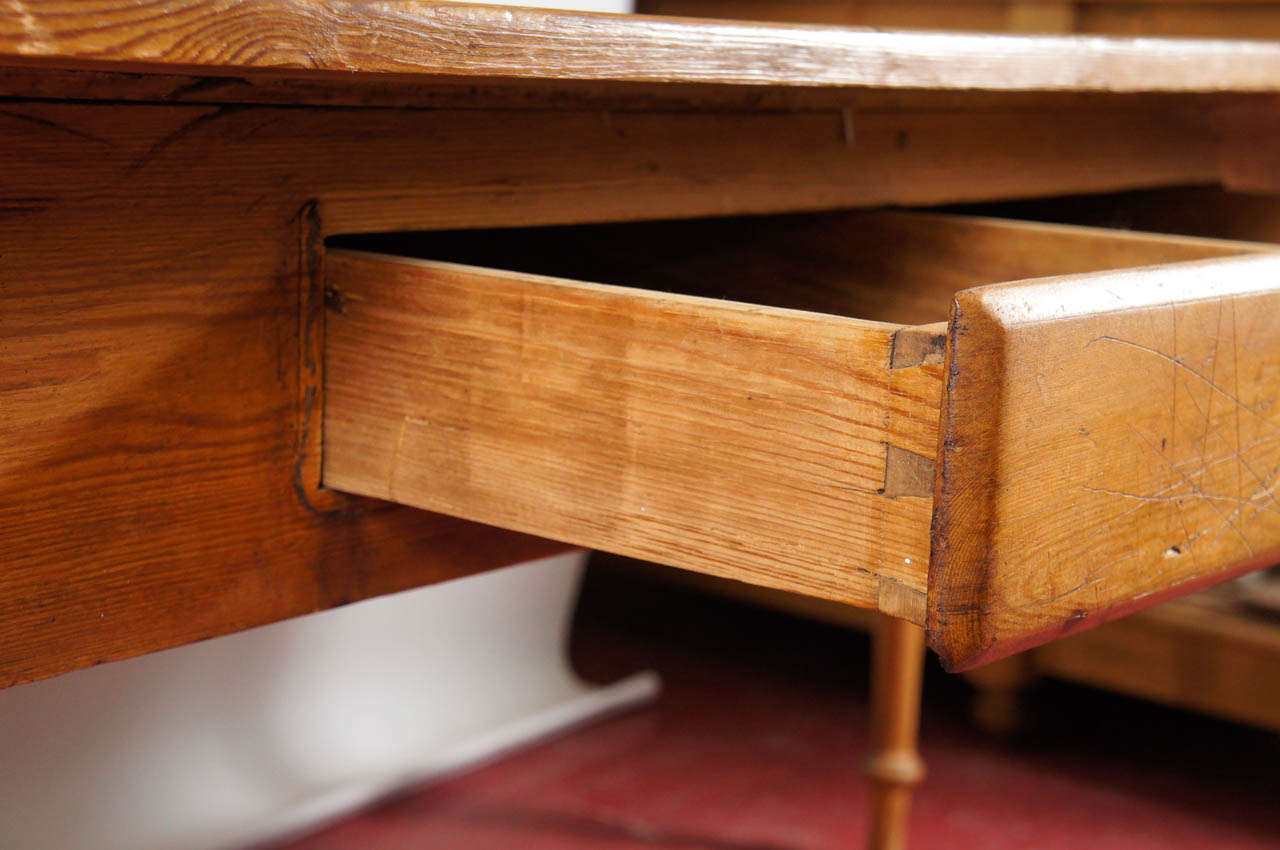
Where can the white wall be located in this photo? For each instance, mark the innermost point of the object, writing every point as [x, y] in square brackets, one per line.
[234, 739]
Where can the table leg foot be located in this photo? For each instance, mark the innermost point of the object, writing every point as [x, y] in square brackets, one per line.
[894, 766]
[997, 701]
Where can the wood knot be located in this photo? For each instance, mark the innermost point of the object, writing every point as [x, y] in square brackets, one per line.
[334, 300]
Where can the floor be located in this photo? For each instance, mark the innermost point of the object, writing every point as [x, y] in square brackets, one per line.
[756, 741]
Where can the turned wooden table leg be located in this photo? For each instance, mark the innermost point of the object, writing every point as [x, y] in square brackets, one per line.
[894, 765]
[997, 699]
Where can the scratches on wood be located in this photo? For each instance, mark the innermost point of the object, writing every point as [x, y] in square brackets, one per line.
[185, 129]
[1125, 446]
[54, 125]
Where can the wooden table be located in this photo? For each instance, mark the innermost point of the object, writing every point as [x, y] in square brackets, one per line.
[209, 411]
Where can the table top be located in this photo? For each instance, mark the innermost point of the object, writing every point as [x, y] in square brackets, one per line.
[336, 40]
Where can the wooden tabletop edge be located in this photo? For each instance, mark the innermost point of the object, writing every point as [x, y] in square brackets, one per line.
[328, 38]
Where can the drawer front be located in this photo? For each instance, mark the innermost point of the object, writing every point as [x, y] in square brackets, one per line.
[773, 446]
[1110, 440]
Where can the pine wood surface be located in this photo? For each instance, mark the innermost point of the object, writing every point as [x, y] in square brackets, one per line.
[326, 37]
[1108, 440]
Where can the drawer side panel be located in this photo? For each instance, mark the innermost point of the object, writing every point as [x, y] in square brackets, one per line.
[731, 439]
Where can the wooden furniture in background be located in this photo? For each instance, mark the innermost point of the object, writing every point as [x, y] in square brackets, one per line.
[1207, 652]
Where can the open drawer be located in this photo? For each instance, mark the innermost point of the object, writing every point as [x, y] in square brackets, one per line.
[781, 401]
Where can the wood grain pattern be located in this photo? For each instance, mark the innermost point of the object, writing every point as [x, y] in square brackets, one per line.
[156, 405]
[720, 437]
[585, 166]
[1108, 440]
[326, 37]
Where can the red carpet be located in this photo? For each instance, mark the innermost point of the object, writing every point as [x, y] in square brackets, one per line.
[756, 743]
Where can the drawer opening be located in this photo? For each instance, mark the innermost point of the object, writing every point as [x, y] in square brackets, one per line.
[1198, 211]
[900, 267]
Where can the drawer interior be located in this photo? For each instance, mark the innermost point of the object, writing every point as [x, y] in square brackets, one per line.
[889, 266]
